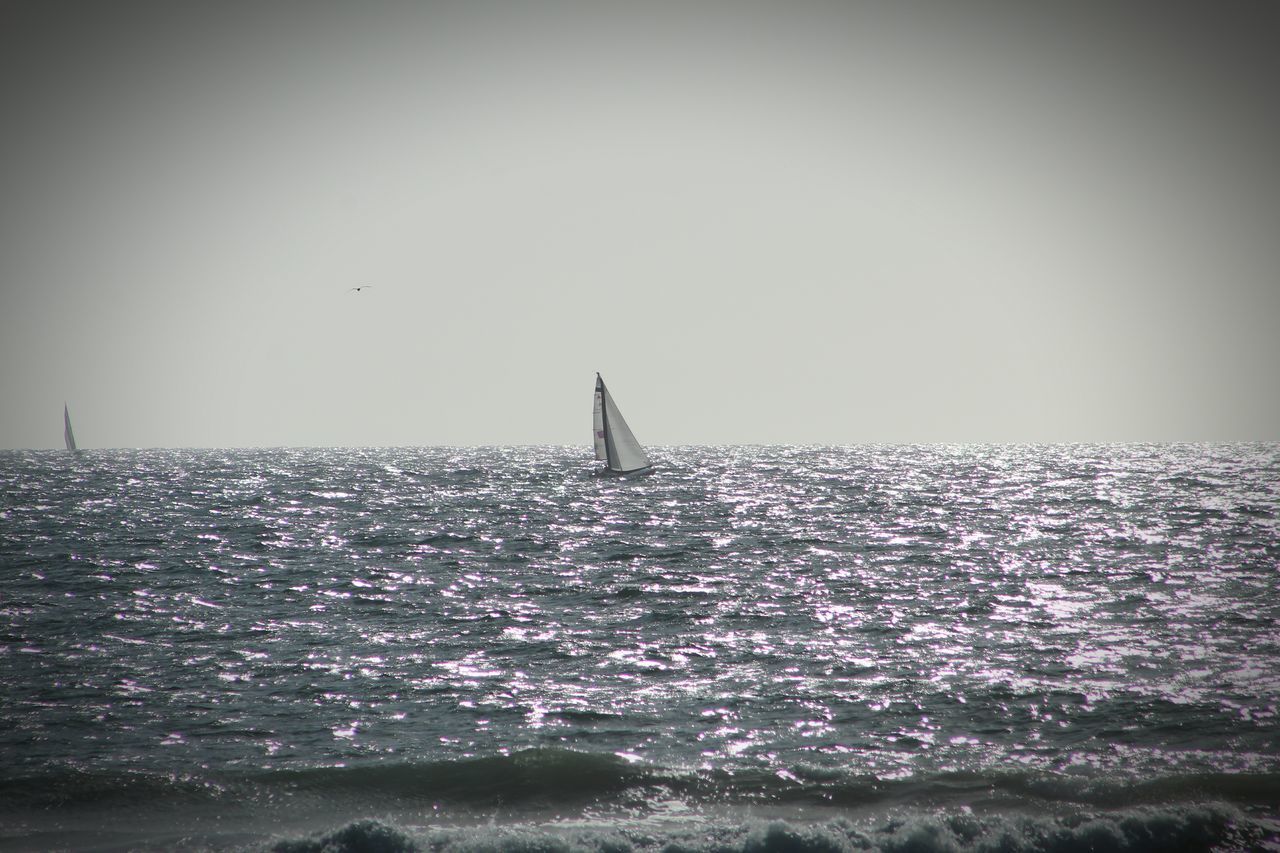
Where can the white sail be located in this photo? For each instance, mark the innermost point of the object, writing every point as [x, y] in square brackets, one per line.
[67, 434]
[597, 422]
[621, 452]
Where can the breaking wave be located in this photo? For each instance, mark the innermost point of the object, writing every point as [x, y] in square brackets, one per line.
[1196, 828]
[564, 800]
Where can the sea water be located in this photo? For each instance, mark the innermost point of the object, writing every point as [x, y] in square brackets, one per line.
[751, 648]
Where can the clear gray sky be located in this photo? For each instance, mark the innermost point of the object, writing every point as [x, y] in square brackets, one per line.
[833, 222]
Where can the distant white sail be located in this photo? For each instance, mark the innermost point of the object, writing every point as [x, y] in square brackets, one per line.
[615, 445]
[67, 434]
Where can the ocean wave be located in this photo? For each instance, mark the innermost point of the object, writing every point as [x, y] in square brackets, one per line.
[1197, 828]
[539, 779]
[526, 777]
[72, 788]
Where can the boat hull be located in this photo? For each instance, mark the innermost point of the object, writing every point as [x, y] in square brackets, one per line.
[635, 472]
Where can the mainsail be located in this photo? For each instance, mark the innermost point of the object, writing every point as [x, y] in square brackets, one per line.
[614, 443]
[67, 434]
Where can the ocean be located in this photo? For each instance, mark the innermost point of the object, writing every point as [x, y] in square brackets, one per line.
[900, 648]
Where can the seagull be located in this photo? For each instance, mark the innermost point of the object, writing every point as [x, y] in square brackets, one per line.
[362, 287]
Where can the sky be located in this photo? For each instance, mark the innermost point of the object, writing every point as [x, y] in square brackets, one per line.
[774, 223]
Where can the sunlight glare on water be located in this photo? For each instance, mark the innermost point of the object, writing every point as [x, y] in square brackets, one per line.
[874, 610]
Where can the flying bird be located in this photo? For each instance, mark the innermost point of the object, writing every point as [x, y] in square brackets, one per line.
[362, 287]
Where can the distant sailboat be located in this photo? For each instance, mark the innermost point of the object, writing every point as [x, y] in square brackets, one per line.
[615, 445]
[67, 434]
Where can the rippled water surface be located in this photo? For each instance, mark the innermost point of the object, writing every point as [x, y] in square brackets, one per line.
[911, 627]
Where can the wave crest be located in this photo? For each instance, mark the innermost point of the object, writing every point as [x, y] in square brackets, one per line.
[1197, 828]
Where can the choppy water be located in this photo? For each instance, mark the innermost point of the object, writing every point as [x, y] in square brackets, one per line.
[924, 648]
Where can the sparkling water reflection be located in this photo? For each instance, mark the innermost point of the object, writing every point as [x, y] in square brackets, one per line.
[883, 611]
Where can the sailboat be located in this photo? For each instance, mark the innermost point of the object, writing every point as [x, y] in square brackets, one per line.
[616, 447]
[67, 434]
